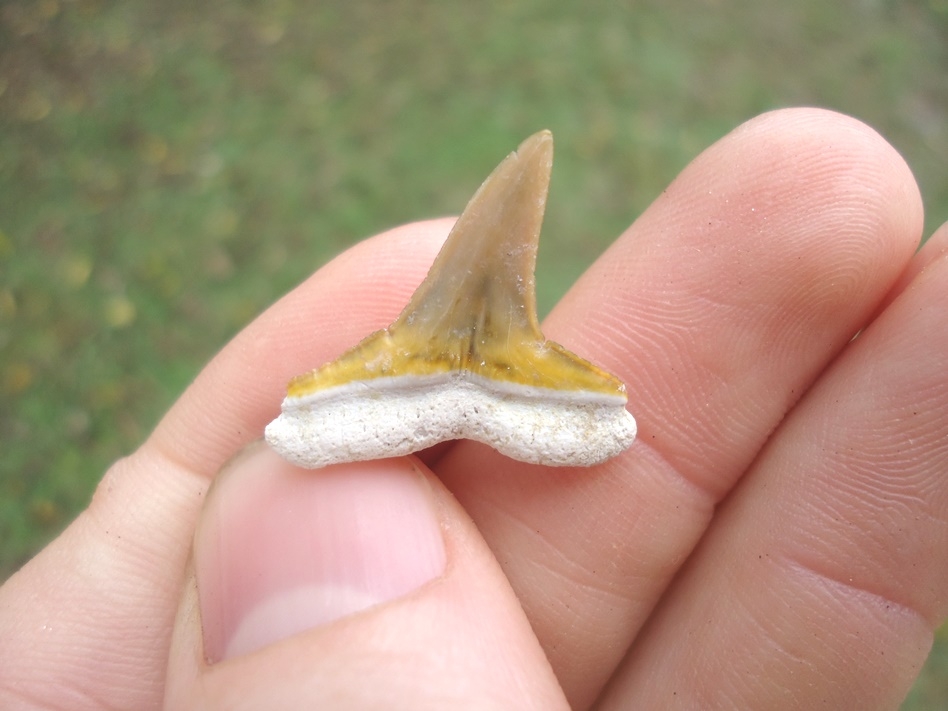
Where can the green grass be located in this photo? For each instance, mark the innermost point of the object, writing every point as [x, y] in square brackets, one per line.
[167, 170]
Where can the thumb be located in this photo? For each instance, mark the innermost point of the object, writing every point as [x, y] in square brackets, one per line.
[356, 586]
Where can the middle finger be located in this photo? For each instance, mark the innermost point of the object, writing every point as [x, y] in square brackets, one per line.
[718, 308]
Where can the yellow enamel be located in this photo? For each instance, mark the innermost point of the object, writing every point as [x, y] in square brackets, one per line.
[476, 309]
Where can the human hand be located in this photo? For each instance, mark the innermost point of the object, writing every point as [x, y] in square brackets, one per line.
[774, 538]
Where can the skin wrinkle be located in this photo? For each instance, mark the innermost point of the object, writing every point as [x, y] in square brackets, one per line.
[573, 572]
[792, 657]
[834, 595]
[206, 454]
[41, 694]
[883, 504]
[514, 519]
[762, 624]
[602, 333]
[577, 588]
[883, 479]
[717, 379]
[648, 337]
[704, 501]
[864, 552]
[114, 492]
[19, 694]
[845, 542]
[575, 614]
[610, 340]
[848, 588]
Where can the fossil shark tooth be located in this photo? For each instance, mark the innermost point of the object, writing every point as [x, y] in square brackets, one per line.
[466, 358]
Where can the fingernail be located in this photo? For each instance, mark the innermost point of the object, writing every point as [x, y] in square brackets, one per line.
[280, 550]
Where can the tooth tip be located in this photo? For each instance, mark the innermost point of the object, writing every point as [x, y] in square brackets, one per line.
[540, 143]
[542, 136]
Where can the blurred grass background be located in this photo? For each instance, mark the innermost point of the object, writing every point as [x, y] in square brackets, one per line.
[169, 169]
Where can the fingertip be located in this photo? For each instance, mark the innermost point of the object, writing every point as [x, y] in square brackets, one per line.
[858, 160]
[822, 162]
